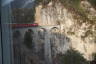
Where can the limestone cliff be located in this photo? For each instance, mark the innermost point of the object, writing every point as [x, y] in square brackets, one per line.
[77, 21]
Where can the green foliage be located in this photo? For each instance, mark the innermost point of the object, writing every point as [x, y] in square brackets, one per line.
[94, 55]
[23, 15]
[80, 14]
[93, 3]
[43, 2]
[39, 1]
[73, 3]
[87, 33]
[74, 6]
[71, 33]
[73, 57]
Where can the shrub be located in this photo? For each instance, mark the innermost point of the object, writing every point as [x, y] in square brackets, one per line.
[93, 3]
[72, 57]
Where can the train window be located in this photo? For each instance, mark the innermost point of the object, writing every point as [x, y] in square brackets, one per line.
[17, 16]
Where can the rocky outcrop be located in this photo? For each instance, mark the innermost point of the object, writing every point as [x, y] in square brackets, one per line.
[79, 29]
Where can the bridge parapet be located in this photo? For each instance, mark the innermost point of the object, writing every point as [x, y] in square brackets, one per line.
[36, 29]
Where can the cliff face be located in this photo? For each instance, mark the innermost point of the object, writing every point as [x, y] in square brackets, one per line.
[79, 25]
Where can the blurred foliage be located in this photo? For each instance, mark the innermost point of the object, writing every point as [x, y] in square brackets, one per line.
[43, 2]
[74, 7]
[79, 14]
[94, 55]
[23, 15]
[74, 3]
[72, 57]
[93, 3]
[71, 33]
[39, 1]
[94, 59]
[88, 32]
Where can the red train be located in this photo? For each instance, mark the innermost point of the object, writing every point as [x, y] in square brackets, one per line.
[24, 25]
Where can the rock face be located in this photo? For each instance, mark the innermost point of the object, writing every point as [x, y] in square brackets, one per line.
[77, 30]
[81, 34]
[38, 15]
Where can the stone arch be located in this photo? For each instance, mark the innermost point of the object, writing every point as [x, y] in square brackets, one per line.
[54, 29]
[30, 30]
[16, 34]
[54, 39]
[41, 44]
[28, 38]
[41, 33]
[16, 43]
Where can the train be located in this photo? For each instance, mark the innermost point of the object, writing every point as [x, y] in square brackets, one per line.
[24, 25]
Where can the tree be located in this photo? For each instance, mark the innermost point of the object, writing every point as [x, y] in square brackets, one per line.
[72, 57]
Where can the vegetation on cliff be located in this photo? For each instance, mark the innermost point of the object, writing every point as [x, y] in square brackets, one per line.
[71, 57]
[93, 3]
